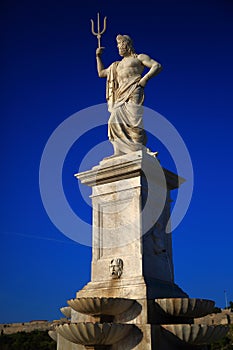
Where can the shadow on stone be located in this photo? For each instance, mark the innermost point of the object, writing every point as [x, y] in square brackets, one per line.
[131, 341]
[130, 314]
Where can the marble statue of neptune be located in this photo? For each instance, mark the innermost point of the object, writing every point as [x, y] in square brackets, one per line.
[125, 95]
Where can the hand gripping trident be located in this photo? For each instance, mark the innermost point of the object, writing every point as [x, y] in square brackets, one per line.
[99, 33]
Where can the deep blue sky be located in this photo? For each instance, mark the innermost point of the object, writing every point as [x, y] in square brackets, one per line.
[48, 73]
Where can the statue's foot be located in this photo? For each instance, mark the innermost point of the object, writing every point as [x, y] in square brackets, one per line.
[114, 155]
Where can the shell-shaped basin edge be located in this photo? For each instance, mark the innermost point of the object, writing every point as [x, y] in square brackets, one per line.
[100, 306]
[186, 307]
[88, 333]
[197, 334]
[53, 335]
[66, 310]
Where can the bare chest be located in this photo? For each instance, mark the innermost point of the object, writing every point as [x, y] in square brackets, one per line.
[130, 64]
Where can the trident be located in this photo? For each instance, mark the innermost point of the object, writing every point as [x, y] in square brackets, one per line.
[99, 33]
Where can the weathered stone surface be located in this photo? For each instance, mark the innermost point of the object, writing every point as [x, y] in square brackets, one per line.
[224, 317]
[40, 325]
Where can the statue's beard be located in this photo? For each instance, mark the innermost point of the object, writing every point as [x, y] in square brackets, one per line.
[123, 52]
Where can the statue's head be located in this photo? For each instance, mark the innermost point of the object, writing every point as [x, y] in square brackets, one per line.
[116, 267]
[125, 45]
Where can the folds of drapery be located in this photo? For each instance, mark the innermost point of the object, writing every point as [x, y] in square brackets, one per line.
[125, 125]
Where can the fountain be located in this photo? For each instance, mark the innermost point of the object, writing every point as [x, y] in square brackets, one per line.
[132, 301]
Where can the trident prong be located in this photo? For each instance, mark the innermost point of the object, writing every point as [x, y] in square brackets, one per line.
[99, 32]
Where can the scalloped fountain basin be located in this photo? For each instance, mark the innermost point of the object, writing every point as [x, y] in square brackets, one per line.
[53, 335]
[66, 310]
[100, 306]
[186, 307]
[94, 333]
[197, 334]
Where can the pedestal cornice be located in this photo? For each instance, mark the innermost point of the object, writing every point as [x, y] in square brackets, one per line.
[127, 166]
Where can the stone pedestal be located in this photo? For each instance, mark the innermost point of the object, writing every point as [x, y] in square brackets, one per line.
[132, 259]
[131, 209]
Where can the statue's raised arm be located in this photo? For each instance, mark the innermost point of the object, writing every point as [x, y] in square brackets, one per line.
[125, 95]
[102, 72]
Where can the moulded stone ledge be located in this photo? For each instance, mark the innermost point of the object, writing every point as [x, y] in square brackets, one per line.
[185, 307]
[197, 334]
[89, 334]
[100, 306]
[127, 166]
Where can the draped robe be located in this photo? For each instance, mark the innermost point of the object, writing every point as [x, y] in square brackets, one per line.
[125, 125]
